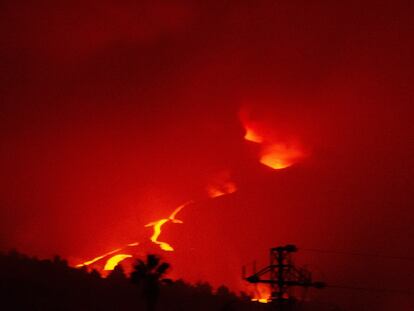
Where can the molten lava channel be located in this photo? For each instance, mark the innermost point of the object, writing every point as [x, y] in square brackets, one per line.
[157, 227]
[115, 260]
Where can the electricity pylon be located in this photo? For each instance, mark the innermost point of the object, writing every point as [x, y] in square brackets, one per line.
[282, 274]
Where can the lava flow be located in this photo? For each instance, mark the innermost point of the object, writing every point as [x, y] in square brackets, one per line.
[113, 260]
[89, 262]
[157, 225]
[275, 153]
[280, 155]
[252, 135]
[221, 185]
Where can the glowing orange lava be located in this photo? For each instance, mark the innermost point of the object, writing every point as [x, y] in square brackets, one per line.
[89, 262]
[262, 294]
[275, 153]
[279, 156]
[157, 225]
[252, 135]
[114, 260]
[221, 185]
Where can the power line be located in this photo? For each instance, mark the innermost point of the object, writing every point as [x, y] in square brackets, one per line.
[369, 289]
[357, 254]
[365, 289]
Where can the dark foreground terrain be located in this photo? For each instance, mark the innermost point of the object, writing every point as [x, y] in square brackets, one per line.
[31, 284]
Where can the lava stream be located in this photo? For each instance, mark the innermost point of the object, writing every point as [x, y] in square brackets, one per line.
[157, 225]
[221, 186]
[114, 260]
[89, 262]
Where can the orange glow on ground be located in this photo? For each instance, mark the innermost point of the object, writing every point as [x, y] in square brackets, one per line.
[114, 260]
[157, 225]
[262, 293]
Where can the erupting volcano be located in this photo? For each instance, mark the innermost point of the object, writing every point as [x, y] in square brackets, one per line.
[276, 121]
[276, 155]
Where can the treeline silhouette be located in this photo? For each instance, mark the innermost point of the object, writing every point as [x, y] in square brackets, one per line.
[27, 283]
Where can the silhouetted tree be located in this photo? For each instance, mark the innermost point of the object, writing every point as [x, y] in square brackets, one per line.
[58, 261]
[117, 275]
[27, 283]
[148, 275]
[203, 288]
[95, 273]
[244, 296]
[223, 291]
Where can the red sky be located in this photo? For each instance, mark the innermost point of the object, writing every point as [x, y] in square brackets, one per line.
[115, 112]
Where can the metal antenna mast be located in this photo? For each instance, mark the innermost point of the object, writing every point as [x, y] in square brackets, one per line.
[282, 274]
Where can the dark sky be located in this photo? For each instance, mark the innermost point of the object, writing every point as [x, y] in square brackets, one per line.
[115, 112]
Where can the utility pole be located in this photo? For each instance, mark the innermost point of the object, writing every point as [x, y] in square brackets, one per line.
[282, 274]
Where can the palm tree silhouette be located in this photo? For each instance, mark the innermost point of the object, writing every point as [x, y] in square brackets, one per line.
[148, 275]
